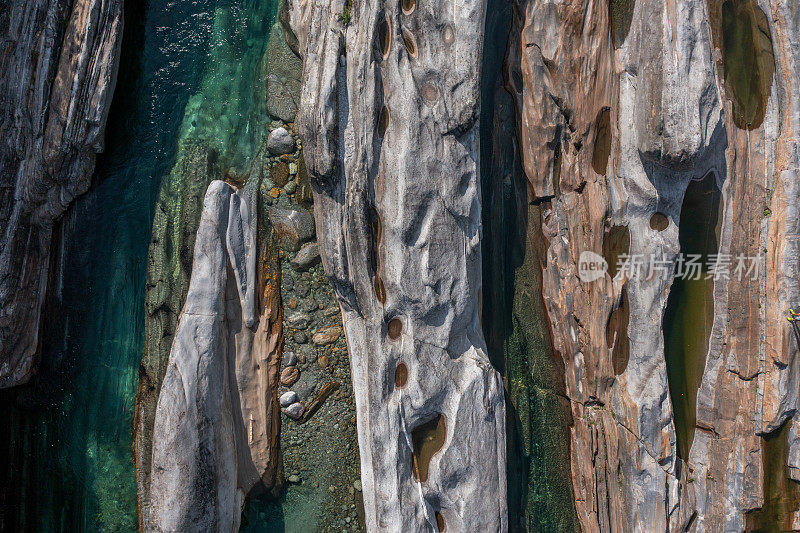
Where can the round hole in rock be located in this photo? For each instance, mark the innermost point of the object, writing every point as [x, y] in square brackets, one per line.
[440, 522]
[409, 6]
[659, 222]
[383, 121]
[385, 36]
[411, 45]
[448, 35]
[395, 328]
[401, 375]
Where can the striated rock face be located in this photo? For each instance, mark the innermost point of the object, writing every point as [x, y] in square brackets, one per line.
[216, 423]
[388, 118]
[622, 106]
[58, 67]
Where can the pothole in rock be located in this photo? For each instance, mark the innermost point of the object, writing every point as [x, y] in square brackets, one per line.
[408, 6]
[395, 328]
[602, 141]
[401, 375]
[383, 121]
[748, 59]
[620, 14]
[385, 36]
[617, 334]
[781, 493]
[411, 44]
[616, 242]
[689, 314]
[440, 522]
[659, 222]
[427, 439]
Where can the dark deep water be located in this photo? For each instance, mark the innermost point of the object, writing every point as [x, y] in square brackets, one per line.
[67, 435]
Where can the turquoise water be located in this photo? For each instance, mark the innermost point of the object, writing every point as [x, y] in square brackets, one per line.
[68, 434]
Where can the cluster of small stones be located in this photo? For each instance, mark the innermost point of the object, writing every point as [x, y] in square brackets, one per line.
[318, 438]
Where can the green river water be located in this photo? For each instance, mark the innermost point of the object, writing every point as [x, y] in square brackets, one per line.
[67, 435]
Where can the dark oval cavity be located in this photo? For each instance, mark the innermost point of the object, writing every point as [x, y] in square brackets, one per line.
[440, 522]
[408, 6]
[748, 59]
[616, 242]
[395, 328]
[383, 121]
[659, 221]
[617, 335]
[401, 375]
[427, 439]
[602, 141]
[411, 45]
[620, 15]
[385, 36]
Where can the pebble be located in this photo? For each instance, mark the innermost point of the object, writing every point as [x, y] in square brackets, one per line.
[280, 142]
[293, 167]
[275, 192]
[327, 335]
[288, 398]
[323, 361]
[298, 320]
[290, 187]
[357, 485]
[300, 337]
[295, 410]
[290, 375]
[294, 479]
[289, 358]
[291, 303]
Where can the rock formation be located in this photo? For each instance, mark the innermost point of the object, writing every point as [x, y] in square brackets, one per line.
[621, 106]
[58, 67]
[216, 423]
[389, 121]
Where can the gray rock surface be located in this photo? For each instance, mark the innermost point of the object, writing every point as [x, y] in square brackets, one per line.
[398, 221]
[58, 68]
[213, 437]
[280, 142]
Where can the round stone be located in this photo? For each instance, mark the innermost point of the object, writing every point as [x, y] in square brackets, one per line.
[288, 398]
[290, 375]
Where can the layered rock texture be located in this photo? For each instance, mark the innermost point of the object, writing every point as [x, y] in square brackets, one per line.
[622, 108]
[216, 423]
[58, 67]
[388, 117]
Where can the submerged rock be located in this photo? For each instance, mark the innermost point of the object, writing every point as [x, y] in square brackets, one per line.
[293, 227]
[283, 76]
[280, 141]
